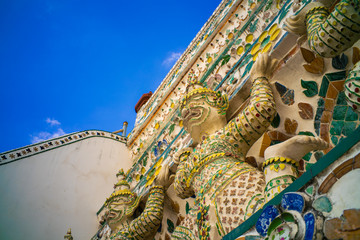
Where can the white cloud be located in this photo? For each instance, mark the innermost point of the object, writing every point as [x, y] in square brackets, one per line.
[45, 135]
[42, 136]
[52, 122]
[172, 58]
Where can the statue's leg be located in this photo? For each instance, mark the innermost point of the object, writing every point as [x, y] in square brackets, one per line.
[282, 161]
[238, 198]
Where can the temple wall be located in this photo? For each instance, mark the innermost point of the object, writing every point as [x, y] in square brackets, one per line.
[310, 100]
[44, 194]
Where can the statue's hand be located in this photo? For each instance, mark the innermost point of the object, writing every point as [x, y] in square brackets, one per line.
[264, 67]
[297, 24]
[164, 178]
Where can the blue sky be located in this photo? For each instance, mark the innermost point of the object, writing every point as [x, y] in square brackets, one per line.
[68, 66]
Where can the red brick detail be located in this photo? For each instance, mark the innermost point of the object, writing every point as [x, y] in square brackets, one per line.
[144, 98]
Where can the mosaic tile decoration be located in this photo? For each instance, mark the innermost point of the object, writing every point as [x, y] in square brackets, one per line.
[334, 119]
[30, 150]
[259, 31]
[281, 226]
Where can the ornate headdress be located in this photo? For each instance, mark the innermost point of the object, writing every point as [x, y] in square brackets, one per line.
[122, 190]
[196, 89]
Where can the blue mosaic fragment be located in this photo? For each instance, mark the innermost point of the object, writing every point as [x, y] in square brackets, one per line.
[287, 95]
[280, 88]
[293, 201]
[309, 219]
[340, 62]
[269, 213]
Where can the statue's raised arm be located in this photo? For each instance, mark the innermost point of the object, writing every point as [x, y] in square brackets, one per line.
[256, 117]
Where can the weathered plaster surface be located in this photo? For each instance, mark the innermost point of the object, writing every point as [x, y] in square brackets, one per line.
[345, 193]
[45, 194]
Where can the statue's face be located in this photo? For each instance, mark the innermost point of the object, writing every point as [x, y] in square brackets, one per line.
[201, 119]
[116, 213]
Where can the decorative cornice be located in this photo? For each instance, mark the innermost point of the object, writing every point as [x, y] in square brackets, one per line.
[31, 150]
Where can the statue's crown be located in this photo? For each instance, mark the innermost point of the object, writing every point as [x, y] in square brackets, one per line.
[122, 188]
[196, 89]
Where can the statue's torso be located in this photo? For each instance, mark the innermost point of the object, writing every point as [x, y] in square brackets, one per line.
[222, 179]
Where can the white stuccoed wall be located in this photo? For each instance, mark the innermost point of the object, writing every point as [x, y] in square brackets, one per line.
[43, 195]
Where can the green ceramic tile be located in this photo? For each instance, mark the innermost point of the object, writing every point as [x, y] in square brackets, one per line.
[322, 204]
[318, 167]
[253, 26]
[306, 133]
[334, 140]
[274, 142]
[311, 88]
[336, 127]
[310, 190]
[265, 41]
[276, 121]
[336, 76]
[248, 68]
[318, 114]
[318, 155]
[321, 102]
[339, 112]
[348, 128]
[317, 127]
[307, 156]
[252, 238]
[351, 115]
[246, 60]
[324, 87]
[341, 99]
